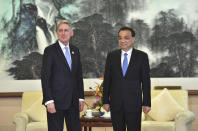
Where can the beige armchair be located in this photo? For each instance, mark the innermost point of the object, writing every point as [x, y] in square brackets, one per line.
[182, 120]
[33, 115]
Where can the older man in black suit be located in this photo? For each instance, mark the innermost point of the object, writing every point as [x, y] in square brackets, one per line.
[126, 78]
[62, 81]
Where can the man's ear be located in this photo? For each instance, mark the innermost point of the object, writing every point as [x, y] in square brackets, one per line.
[133, 39]
[72, 33]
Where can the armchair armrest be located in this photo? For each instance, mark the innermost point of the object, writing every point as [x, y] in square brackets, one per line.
[183, 120]
[20, 120]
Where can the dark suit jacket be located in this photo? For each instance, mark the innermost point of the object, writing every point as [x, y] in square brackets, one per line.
[59, 83]
[127, 91]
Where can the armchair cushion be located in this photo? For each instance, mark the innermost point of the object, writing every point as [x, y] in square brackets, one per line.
[143, 116]
[164, 107]
[37, 126]
[158, 126]
[37, 112]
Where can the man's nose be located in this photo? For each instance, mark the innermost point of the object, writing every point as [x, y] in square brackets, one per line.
[122, 40]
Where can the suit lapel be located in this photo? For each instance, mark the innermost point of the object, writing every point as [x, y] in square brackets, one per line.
[72, 57]
[119, 62]
[61, 55]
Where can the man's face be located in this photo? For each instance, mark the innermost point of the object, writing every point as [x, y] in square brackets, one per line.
[64, 33]
[125, 40]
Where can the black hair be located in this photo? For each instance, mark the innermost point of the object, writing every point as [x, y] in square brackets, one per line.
[129, 29]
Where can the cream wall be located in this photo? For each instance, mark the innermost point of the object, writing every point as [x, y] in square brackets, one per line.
[35, 85]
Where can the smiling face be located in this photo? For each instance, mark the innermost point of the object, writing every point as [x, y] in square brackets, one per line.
[64, 33]
[125, 40]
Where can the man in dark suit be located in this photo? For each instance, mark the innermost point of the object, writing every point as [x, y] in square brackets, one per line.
[126, 80]
[62, 81]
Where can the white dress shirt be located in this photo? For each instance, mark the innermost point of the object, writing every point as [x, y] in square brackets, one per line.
[129, 52]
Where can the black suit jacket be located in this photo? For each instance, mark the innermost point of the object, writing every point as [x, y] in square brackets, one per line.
[59, 83]
[127, 91]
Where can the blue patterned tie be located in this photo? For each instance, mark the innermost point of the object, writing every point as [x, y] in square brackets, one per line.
[68, 58]
[125, 64]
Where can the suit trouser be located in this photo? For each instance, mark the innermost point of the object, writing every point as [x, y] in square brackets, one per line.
[122, 119]
[56, 120]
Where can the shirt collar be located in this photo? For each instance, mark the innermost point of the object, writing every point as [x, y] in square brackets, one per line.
[129, 52]
[62, 45]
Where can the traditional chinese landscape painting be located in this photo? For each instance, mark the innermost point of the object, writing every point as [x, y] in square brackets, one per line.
[167, 30]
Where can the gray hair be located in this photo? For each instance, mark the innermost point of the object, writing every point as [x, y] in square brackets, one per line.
[64, 22]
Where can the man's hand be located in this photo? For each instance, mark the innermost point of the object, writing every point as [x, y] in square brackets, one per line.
[81, 105]
[146, 109]
[51, 108]
[106, 107]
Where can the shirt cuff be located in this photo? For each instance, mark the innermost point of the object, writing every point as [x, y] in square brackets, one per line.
[81, 100]
[48, 102]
